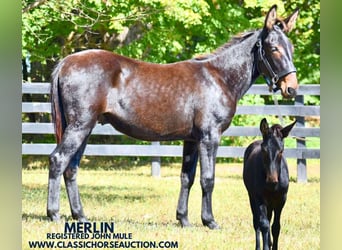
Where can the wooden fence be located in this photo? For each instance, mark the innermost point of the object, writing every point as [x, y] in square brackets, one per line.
[156, 150]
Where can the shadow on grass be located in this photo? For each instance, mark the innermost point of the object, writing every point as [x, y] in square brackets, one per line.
[309, 180]
[30, 216]
[98, 194]
[45, 218]
[105, 194]
[151, 224]
[131, 222]
[91, 162]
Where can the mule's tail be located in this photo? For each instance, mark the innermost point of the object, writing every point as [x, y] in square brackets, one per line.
[57, 112]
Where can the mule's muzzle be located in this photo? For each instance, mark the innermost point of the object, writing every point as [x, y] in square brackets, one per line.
[288, 92]
[272, 181]
[271, 186]
[291, 92]
[288, 85]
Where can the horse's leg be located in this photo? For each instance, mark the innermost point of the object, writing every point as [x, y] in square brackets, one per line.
[207, 150]
[269, 217]
[264, 225]
[256, 216]
[59, 160]
[70, 175]
[190, 157]
[276, 226]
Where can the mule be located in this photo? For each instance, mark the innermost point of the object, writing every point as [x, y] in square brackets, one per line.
[266, 177]
[193, 100]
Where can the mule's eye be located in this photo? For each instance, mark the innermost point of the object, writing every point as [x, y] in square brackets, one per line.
[274, 49]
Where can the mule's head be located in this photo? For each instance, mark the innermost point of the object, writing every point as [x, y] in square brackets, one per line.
[272, 148]
[275, 51]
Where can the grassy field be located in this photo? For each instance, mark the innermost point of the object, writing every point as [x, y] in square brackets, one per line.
[145, 206]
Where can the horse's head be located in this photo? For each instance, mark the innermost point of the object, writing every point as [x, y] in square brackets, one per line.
[274, 53]
[272, 148]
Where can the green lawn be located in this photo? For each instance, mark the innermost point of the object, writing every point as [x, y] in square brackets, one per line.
[145, 206]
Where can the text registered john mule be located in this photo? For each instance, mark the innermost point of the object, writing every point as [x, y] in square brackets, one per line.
[193, 100]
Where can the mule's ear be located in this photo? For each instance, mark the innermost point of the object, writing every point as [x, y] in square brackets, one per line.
[285, 131]
[291, 20]
[271, 18]
[264, 127]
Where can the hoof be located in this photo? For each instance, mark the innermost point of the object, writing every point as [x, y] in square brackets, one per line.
[211, 224]
[82, 219]
[53, 216]
[184, 222]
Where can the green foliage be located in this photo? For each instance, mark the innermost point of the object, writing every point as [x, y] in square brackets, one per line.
[265, 5]
[164, 31]
[160, 30]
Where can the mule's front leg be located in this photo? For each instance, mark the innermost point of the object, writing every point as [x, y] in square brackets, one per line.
[255, 212]
[208, 149]
[190, 157]
[264, 225]
[276, 226]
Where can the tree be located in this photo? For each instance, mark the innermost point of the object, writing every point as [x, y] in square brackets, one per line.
[161, 31]
[158, 30]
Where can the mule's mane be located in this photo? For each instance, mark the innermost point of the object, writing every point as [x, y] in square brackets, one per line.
[234, 40]
[277, 129]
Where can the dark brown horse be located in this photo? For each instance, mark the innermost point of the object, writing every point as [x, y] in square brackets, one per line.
[266, 178]
[193, 100]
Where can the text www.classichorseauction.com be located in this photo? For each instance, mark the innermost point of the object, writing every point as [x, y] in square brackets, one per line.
[96, 235]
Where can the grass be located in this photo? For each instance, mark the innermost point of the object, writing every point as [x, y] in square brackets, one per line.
[145, 206]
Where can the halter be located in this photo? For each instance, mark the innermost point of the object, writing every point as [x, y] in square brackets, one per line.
[272, 78]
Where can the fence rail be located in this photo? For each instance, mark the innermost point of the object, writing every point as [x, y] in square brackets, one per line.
[156, 150]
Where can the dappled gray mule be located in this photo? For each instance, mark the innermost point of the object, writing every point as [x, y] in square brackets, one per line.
[193, 100]
[266, 178]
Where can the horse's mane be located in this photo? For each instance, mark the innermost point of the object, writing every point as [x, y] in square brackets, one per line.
[277, 129]
[234, 40]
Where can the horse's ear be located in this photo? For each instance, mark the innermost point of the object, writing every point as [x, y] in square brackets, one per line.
[285, 131]
[271, 18]
[264, 127]
[290, 21]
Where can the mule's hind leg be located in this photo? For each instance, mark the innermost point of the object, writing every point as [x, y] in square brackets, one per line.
[255, 212]
[190, 157]
[70, 175]
[60, 158]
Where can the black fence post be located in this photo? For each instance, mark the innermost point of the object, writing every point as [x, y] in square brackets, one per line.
[301, 163]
